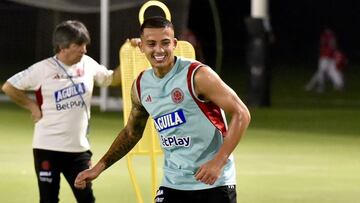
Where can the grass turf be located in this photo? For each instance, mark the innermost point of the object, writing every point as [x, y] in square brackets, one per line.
[287, 156]
[305, 148]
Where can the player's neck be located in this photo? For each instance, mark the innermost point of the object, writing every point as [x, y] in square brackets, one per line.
[63, 59]
[161, 71]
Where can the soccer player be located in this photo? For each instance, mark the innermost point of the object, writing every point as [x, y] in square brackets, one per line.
[64, 85]
[186, 100]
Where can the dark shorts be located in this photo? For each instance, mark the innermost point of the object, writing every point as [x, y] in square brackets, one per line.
[50, 164]
[223, 194]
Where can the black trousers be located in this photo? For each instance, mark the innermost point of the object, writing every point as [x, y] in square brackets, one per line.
[50, 164]
[222, 194]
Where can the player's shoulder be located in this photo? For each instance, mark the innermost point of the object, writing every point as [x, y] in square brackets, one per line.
[43, 66]
[187, 63]
[88, 59]
[91, 64]
[184, 60]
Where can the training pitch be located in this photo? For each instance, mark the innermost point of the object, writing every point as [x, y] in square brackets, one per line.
[304, 149]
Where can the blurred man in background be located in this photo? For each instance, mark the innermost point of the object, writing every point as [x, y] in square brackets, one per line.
[327, 64]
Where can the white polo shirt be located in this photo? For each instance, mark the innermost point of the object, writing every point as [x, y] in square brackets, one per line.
[63, 126]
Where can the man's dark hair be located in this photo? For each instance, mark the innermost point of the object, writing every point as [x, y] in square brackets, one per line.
[155, 22]
[69, 32]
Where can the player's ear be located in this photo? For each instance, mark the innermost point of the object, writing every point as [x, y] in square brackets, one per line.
[175, 42]
[141, 46]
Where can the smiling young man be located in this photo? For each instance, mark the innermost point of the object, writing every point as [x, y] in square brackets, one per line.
[186, 100]
[63, 86]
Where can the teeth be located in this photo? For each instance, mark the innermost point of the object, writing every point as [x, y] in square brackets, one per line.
[159, 58]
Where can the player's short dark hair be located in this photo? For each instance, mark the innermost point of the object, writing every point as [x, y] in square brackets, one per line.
[68, 32]
[155, 22]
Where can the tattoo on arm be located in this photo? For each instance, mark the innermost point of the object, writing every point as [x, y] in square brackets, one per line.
[130, 135]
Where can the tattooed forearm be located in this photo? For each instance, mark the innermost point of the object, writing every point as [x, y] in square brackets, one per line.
[120, 147]
[129, 136]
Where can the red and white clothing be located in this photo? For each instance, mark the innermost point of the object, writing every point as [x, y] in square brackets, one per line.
[327, 44]
[341, 60]
[327, 65]
[64, 122]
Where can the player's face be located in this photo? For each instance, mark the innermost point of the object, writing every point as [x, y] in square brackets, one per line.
[73, 53]
[158, 45]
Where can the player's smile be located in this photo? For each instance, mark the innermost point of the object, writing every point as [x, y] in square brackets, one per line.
[158, 45]
[160, 58]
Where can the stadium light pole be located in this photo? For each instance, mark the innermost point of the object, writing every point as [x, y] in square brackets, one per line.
[219, 42]
[104, 47]
[258, 27]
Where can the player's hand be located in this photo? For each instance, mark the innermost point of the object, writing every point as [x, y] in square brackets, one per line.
[85, 177]
[135, 42]
[36, 113]
[209, 172]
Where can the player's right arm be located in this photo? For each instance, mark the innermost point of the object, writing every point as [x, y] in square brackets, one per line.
[123, 143]
[20, 98]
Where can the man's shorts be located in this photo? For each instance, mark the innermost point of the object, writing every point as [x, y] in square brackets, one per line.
[223, 194]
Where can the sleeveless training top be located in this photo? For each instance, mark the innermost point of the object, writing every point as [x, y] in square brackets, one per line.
[190, 130]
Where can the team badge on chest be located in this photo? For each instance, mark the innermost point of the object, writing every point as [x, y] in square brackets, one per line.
[177, 95]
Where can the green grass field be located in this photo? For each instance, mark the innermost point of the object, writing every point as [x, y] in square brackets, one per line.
[304, 149]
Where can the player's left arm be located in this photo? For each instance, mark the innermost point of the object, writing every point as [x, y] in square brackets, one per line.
[210, 87]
